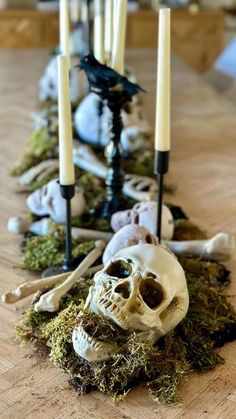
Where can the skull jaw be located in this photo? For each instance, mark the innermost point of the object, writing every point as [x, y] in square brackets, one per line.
[91, 348]
[147, 333]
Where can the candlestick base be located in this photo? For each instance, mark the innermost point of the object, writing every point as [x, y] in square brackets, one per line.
[161, 165]
[60, 269]
[69, 264]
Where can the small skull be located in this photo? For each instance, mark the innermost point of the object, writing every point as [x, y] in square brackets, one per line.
[145, 214]
[135, 126]
[143, 289]
[48, 84]
[48, 201]
[128, 236]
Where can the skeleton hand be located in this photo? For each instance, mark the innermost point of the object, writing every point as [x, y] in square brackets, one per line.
[141, 188]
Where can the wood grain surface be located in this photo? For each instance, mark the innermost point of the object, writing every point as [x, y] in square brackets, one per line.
[203, 167]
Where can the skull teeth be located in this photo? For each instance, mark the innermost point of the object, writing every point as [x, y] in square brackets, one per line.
[118, 317]
[89, 347]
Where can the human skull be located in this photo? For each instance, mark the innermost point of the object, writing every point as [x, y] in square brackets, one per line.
[47, 200]
[48, 84]
[142, 289]
[145, 214]
[129, 235]
[135, 126]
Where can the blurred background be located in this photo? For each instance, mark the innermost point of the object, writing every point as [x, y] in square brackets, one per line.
[203, 31]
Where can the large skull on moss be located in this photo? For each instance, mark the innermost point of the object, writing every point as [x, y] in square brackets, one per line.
[143, 288]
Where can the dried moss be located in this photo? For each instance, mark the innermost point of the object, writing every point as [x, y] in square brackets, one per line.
[58, 334]
[41, 252]
[186, 230]
[39, 147]
[210, 322]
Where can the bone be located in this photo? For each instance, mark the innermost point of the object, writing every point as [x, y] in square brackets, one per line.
[85, 158]
[50, 301]
[136, 187]
[39, 172]
[29, 288]
[220, 247]
[19, 225]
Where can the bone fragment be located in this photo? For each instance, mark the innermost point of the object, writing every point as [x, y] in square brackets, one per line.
[50, 301]
[220, 247]
[29, 288]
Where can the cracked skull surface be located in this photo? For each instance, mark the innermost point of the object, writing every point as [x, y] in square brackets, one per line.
[142, 289]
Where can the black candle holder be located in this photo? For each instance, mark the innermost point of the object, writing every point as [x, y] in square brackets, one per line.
[115, 199]
[161, 165]
[100, 108]
[114, 90]
[69, 264]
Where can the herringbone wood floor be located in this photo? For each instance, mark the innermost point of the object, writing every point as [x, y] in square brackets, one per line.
[203, 166]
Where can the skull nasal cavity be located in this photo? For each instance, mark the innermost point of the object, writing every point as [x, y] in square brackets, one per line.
[119, 269]
[151, 292]
[123, 289]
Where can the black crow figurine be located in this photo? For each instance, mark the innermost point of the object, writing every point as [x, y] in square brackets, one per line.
[101, 77]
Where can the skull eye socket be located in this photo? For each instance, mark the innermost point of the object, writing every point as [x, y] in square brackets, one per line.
[151, 292]
[119, 269]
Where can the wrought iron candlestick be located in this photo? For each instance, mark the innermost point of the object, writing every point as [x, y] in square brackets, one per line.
[69, 264]
[100, 114]
[114, 90]
[161, 166]
[115, 199]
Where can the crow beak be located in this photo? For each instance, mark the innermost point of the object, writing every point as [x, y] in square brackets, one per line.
[79, 66]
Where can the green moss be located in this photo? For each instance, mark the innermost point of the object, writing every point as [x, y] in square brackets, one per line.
[58, 335]
[39, 147]
[210, 322]
[186, 230]
[44, 251]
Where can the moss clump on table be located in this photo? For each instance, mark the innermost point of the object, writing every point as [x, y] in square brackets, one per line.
[40, 147]
[186, 230]
[192, 346]
[41, 252]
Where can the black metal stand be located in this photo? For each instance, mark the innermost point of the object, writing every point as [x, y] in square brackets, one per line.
[161, 166]
[100, 113]
[115, 200]
[102, 81]
[69, 264]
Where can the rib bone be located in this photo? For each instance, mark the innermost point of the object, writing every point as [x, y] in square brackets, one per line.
[39, 172]
[50, 301]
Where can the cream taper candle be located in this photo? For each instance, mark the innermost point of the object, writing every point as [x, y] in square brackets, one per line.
[162, 134]
[74, 10]
[108, 29]
[66, 165]
[118, 52]
[64, 27]
[98, 31]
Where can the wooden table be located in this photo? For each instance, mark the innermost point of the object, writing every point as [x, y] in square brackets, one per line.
[203, 166]
[201, 32]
